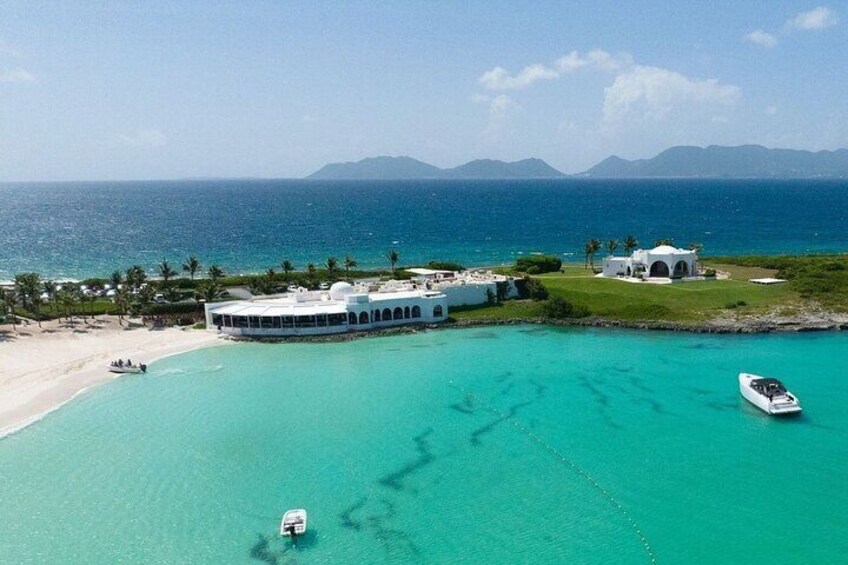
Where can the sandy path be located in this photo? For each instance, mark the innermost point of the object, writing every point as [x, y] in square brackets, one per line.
[41, 369]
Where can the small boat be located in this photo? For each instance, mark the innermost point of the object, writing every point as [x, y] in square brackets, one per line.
[767, 394]
[294, 523]
[140, 368]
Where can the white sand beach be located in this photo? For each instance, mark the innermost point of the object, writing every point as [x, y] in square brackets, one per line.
[43, 368]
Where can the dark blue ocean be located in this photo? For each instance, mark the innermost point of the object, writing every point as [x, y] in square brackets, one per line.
[87, 229]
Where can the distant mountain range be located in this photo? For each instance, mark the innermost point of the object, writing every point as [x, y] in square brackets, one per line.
[397, 168]
[744, 161]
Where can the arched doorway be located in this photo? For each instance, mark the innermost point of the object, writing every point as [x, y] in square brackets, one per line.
[376, 315]
[438, 312]
[681, 269]
[387, 314]
[398, 313]
[406, 312]
[628, 271]
[659, 269]
[351, 318]
[416, 311]
[363, 318]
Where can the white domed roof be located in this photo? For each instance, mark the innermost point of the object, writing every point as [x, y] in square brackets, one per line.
[340, 289]
[664, 250]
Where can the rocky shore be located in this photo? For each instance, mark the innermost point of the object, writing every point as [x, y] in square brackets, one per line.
[808, 322]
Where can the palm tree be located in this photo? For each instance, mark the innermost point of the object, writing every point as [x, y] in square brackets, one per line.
[122, 302]
[50, 291]
[28, 286]
[68, 298]
[207, 291]
[10, 300]
[311, 271]
[349, 263]
[215, 272]
[288, 267]
[116, 279]
[592, 246]
[166, 272]
[136, 277]
[332, 267]
[612, 245]
[664, 241]
[144, 298]
[393, 256]
[697, 248]
[630, 243]
[191, 266]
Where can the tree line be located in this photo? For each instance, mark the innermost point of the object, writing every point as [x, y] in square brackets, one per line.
[132, 291]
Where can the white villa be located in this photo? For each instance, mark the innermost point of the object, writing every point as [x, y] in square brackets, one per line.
[346, 307]
[662, 262]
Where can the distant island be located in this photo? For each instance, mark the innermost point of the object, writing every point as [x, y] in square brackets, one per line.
[714, 161]
[744, 161]
[399, 168]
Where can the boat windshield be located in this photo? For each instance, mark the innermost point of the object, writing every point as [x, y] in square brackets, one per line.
[768, 387]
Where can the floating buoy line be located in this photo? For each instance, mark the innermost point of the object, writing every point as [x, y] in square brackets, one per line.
[565, 460]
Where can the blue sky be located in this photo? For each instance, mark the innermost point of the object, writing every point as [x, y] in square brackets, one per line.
[146, 90]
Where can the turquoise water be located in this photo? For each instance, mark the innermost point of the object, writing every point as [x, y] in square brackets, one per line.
[91, 229]
[397, 448]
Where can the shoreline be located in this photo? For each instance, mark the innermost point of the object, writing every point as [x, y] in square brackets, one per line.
[42, 370]
[33, 385]
[760, 325]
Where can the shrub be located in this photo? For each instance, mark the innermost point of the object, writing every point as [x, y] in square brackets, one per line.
[445, 266]
[544, 264]
[558, 308]
[709, 273]
[531, 288]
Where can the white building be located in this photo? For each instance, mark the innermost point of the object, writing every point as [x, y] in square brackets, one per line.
[663, 262]
[341, 309]
[465, 288]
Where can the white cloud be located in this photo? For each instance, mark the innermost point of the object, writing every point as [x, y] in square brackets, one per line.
[761, 37]
[145, 138]
[16, 75]
[499, 78]
[817, 18]
[651, 94]
[307, 119]
[771, 110]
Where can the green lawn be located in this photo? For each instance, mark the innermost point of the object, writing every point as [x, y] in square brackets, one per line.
[619, 300]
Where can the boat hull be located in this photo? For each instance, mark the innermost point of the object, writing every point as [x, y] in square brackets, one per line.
[777, 406]
[122, 370]
[293, 523]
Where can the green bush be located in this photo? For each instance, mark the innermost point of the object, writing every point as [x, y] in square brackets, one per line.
[531, 288]
[558, 308]
[445, 266]
[542, 264]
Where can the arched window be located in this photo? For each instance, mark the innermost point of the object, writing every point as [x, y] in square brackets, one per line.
[416, 311]
[406, 312]
[681, 269]
[351, 318]
[376, 316]
[363, 318]
[438, 312]
[387, 314]
[398, 314]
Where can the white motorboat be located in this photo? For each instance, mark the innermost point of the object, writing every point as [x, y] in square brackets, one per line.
[767, 394]
[294, 523]
[140, 368]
